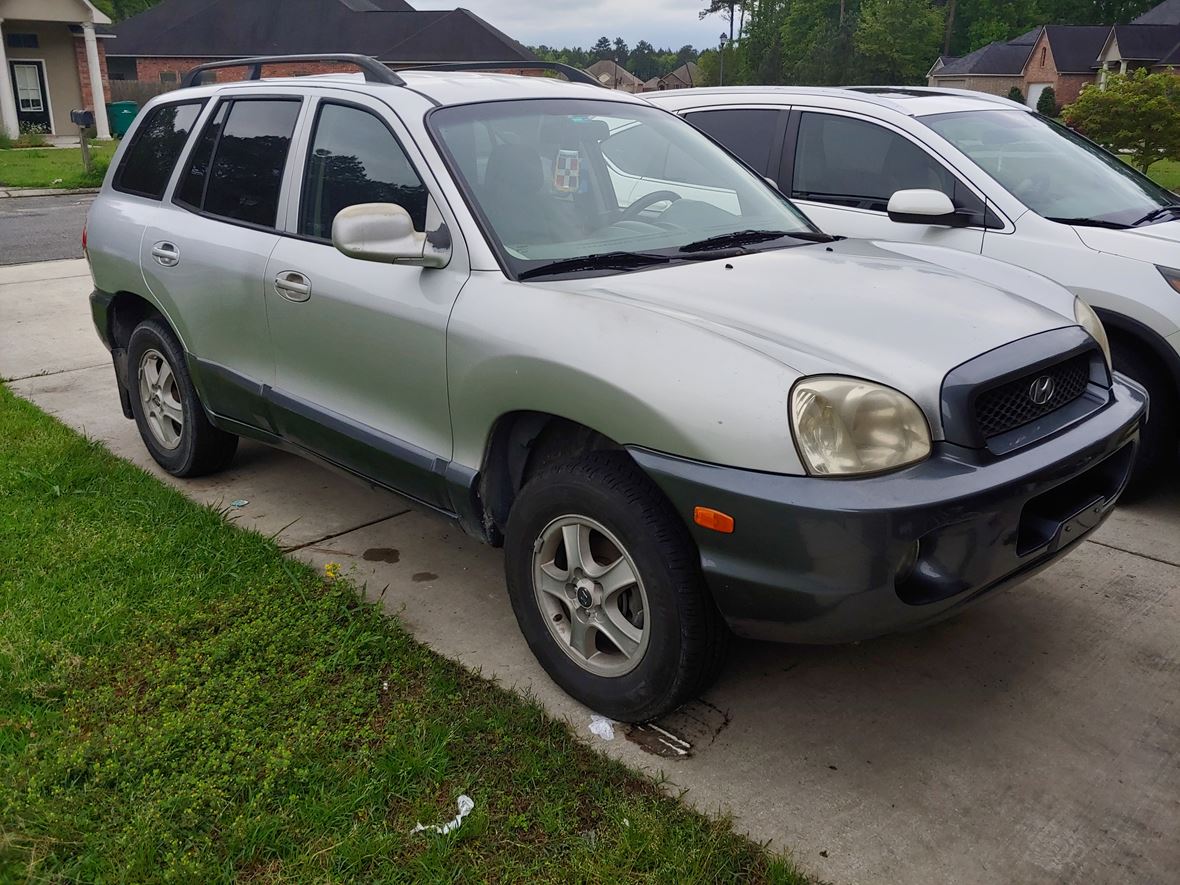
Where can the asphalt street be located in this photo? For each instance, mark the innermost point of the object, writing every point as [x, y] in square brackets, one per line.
[1033, 739]
[42, 228]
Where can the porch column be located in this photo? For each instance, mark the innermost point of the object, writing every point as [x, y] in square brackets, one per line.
[97, 96]
[9, 124]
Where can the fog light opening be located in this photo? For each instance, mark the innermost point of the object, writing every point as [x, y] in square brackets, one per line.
[909, 560]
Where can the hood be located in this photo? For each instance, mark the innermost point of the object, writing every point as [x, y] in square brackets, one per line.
[851, 308]
[1156, 243]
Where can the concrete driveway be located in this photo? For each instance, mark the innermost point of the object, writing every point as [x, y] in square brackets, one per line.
[1034, 739]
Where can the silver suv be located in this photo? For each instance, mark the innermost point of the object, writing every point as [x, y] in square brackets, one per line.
[680, 407]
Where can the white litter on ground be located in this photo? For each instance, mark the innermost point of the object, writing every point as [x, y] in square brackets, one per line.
[465, 806]
[602, 727]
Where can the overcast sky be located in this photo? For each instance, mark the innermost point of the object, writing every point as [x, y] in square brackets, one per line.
[664, 23]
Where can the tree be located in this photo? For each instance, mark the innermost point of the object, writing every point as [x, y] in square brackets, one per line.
[602, 49]
[1014, 94]
[1138, 113]
[898, 39]
[621, 51]
[1047, 102]
[642, 62]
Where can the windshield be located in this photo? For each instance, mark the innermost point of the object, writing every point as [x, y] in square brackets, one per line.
[1051, 170]
[583, 186]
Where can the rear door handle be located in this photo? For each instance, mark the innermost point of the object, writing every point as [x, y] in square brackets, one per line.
[166, 254]
[293, 285]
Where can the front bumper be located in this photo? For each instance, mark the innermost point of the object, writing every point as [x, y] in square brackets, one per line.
[833, 560]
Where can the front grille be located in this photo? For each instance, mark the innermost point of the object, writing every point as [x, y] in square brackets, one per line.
[1015, 404]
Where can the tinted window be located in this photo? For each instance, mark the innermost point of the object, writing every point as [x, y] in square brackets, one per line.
[157, 144]
[191, 190]
[354, 159]
[248, 160]
[855, 163]
[748, 133]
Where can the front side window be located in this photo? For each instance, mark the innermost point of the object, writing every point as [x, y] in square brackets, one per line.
[1052, 171]
[354, 158]
[852, 162]
[584, 186]
[155, 148]
[236, 170]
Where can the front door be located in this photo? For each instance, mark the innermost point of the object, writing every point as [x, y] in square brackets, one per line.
[32, 96]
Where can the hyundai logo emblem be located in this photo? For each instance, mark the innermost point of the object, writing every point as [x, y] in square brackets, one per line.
[1042, 390]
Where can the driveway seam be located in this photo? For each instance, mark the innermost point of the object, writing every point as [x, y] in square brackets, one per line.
[73, 276]
[1158, 559]
[343, 532]
[51, 374]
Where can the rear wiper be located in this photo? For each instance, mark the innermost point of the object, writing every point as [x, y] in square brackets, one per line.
[1089, 222]
[602, 261]
[742, 238]
[1157, 213]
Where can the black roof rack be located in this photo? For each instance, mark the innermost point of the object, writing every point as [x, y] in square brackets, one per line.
[574, 75]
[374, 71]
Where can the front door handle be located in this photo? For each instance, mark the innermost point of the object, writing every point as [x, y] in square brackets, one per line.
[293, 285]
[166, 254]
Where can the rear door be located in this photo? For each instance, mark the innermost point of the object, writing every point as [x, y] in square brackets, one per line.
[360, 346]
[207, 248]
[844, 168]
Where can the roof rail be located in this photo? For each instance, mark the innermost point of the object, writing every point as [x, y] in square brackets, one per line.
[374, 71]
[574, 75]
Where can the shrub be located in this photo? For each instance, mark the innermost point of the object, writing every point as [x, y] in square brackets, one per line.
[1047, 103]
[6, 142]
[33, 134]
[1137, 113]
[1014, 94]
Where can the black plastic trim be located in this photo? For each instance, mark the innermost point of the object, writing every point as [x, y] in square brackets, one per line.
[374, 71]
[1148, 336]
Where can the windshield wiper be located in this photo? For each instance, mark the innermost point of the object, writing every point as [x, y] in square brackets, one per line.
[1089, 222]
[745, 237]
[602, 261]
[1157, 213]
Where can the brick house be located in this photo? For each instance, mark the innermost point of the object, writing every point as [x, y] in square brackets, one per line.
[158, 46]
[1066, 57]
[52, 61]
[613, 75]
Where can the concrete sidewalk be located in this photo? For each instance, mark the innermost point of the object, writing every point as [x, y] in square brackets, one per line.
[1035, 738]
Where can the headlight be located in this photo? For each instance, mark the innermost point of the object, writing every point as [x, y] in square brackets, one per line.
[1089, 321]
[1171, 275]
[845, 426]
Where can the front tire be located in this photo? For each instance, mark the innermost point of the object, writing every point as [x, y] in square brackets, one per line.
[171, 420]
[606, 586]
[1159, 437]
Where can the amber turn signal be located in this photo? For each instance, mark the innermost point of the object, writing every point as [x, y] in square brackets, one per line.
[713, 519]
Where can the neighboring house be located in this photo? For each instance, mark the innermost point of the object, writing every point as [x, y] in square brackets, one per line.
[684, 77]
[164, 42]
[51, 62]
[1066, 57]
[613, 75]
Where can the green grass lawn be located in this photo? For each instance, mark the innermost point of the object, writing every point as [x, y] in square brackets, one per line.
[178, 701]
[1166, 173]
[39, 167]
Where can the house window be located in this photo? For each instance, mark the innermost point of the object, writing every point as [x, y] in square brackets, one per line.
[22, 41]
[1044, 51]
[167, 76]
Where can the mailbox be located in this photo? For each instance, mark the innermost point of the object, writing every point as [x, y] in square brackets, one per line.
[81, 118]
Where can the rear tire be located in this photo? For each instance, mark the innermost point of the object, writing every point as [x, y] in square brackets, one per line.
[1159, 437]
[171, 419]
[646, 636]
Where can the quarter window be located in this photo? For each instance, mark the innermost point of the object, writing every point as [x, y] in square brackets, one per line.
[748, 132]
[855, 163]
[354, 158]
[155, 148]
[236, 170]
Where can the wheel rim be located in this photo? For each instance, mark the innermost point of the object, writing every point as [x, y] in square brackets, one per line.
[160, 398]
[590, 595]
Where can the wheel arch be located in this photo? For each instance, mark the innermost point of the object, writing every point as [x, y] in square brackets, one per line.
[1121, 325]
[124, 312]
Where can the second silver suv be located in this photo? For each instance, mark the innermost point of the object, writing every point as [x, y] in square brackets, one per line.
[681, 408]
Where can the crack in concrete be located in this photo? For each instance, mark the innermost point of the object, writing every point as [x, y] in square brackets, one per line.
[1148, 556]
[343, 532]
[48, 374]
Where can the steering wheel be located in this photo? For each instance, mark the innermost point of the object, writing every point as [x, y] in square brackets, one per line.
[647, 200]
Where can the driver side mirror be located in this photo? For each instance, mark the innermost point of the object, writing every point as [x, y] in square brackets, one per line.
[924, 206]
[385, 232]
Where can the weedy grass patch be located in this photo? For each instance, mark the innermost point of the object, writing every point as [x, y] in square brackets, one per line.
[180, 702]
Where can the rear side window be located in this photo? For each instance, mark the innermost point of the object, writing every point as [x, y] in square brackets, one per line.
[856, 163]
[747, 132]
[154, 149]
[236, 170]
[354, 158]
